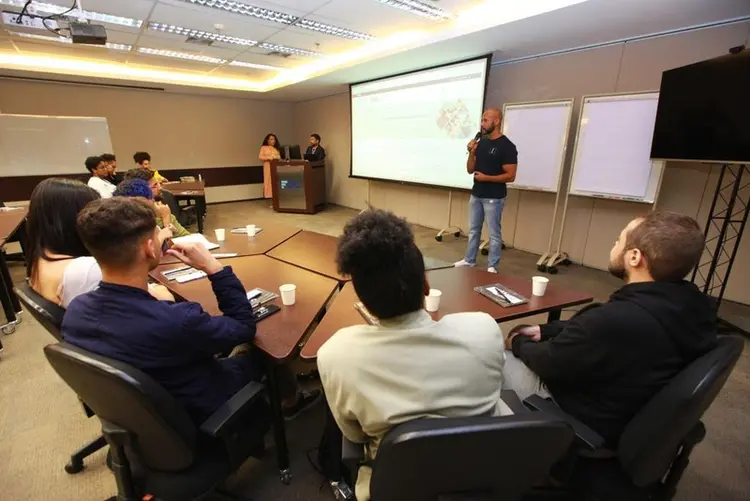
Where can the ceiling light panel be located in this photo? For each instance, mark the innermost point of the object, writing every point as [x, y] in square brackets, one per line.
[246, 10]
[280, 17]
[48, 8]
[205, 35]
[289, 50]
[61, 39]
[181, 55]
[243, 64]
[418, 8]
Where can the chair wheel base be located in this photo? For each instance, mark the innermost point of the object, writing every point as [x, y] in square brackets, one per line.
[73, 467]
[285, 476]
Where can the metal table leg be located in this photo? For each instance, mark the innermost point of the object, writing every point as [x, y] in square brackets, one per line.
[8, 298]
[553, 315]
[279, 426]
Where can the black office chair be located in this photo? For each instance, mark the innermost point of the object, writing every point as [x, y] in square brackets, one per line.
[185, 214]
[466, 459]
[155, 447]
[654, 450]
[50, 316]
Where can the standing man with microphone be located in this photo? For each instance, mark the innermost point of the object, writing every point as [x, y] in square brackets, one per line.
[493, 160]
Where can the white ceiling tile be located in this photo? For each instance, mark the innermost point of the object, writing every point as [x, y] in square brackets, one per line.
[203, 18]
[302, 6]
[281, 62]
[176, 43]
[137, 9]
[64, 50]
[163, 62]
[310, 40]
[368, 16]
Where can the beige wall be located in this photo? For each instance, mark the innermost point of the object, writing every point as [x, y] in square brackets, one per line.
[179, 130]
[592, 225]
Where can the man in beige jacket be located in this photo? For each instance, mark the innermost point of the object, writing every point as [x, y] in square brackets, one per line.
[408, 366]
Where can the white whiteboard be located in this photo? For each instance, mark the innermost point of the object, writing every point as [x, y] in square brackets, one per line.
[34, 145]
[540, 132]
[612, 157]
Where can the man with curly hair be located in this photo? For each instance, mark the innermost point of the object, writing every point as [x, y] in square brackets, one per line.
[408, 366]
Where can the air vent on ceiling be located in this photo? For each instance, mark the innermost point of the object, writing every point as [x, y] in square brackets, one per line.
[279, 54]
[199, 41]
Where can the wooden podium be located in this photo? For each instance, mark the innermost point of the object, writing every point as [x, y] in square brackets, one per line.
[299, 186]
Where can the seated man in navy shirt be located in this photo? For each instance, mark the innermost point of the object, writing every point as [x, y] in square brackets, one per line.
[174, 343]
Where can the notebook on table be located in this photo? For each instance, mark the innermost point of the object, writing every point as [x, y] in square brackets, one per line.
[502, 295]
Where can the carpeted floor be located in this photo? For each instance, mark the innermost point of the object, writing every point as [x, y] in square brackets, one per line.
[41, 421]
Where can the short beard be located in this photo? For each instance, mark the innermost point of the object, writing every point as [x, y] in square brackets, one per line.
[617, 267]
[488, 130]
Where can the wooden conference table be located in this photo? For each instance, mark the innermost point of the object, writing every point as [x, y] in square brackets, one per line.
[11, 224]
[457, 286]
[307, 259]
[242, 245]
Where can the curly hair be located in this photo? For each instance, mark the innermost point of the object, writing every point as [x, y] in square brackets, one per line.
[139, 173]
[378, 251]
[134, 188]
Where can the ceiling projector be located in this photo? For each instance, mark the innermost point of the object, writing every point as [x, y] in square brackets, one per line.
[92, 34]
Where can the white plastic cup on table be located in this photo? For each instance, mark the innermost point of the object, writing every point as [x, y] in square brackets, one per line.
[288, 294]
[251, 230]
[432, 301]
[539, 285]
[221, 234]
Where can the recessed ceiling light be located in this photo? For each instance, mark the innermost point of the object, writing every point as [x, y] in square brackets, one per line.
[181, 55]
[280, 17]
[332, 30]
[49, 8]
[246, 10]
[419, 8]
[205, 35]
[243, 64]
[289, 50]
[61, 39]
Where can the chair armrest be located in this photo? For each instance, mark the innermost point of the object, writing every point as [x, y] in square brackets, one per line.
[585, 435]
[351, 451]
[513, 401]
[232, 410]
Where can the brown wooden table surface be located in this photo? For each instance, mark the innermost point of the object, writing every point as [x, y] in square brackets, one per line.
[191, 189]
[457, 285]
[312, 251]
[270, 237]
[279, 334]
[10, 221]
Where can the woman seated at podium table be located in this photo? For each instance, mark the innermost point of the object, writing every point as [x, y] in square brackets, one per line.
[268, 151]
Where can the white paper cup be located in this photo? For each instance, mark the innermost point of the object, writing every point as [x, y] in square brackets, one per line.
[288, 294]
[221, 234]
[251, 230]
[539, 285]
[432, 301]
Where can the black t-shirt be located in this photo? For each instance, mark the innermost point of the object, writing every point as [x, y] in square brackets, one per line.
[492, 154]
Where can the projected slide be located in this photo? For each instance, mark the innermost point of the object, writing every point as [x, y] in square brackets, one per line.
[414, 128]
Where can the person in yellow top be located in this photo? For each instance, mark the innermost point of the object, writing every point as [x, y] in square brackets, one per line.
[143, 160]
[141, 183]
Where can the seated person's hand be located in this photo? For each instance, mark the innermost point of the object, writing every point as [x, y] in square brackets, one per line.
[163, 211]
[197, 256]
[166, 233]
[160, 292]
[532, 331]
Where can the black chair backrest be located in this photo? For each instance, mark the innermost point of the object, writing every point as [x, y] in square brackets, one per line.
[165, 437]
[174, 206]
[485, 457]
[651, 440]
[47, 313]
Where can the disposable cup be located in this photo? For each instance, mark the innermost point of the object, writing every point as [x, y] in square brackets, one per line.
[432, 301]
[220, 234]
[288, 294]
[539, 285]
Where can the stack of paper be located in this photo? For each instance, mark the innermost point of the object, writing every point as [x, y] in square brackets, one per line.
[194, 239]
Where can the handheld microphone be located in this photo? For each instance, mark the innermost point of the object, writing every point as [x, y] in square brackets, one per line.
[476, 138]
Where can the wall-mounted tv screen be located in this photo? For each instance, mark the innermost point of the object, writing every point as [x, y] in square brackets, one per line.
[704, 112]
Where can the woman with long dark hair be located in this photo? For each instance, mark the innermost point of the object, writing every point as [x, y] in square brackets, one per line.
[59, 265]
[269, 151]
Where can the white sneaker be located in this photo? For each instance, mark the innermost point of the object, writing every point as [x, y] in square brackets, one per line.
[462, 264]
[492, 270]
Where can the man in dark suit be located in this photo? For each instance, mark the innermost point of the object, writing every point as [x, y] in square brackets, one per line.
[315, 152]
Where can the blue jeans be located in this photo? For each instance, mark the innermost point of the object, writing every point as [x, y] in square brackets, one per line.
[479, 210]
